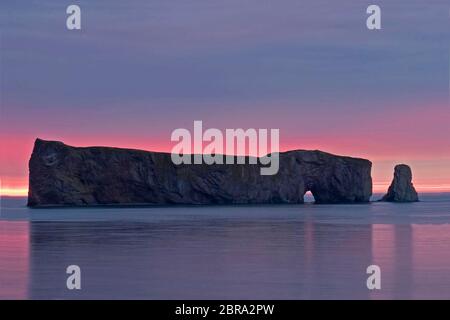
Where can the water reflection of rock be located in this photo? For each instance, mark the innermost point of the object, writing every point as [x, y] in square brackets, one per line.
[14, 259]
[203, 258]
[239, 256]
[340, 273]
[393, 252]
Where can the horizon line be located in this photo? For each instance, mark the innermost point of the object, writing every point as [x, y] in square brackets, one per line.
[378, 189]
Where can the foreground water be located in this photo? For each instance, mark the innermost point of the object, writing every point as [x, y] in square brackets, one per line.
[244, 252]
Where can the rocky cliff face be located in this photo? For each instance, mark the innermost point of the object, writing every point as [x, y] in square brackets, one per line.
[71, 176]
[401, 188]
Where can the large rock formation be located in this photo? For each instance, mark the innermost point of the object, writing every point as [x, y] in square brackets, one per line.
[65, 175]
[401, 188]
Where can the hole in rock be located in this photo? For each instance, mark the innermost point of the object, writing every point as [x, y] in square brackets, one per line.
[308, 197]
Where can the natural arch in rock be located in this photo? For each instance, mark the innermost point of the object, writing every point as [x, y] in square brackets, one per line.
[308, 197]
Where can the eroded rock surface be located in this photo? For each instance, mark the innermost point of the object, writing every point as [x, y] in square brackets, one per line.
[72, 176]
[401, 188]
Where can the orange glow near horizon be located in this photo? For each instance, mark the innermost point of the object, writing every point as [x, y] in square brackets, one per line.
[14, 192]
[14, 187]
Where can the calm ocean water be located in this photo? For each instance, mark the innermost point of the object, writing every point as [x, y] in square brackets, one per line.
[242, 252]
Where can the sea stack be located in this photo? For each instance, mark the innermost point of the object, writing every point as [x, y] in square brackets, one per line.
[61, 175]
[401, 188]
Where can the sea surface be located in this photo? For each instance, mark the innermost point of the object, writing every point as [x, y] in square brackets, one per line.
[227, 252]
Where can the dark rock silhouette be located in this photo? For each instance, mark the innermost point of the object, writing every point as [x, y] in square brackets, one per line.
[62, 175]
[401, 188]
